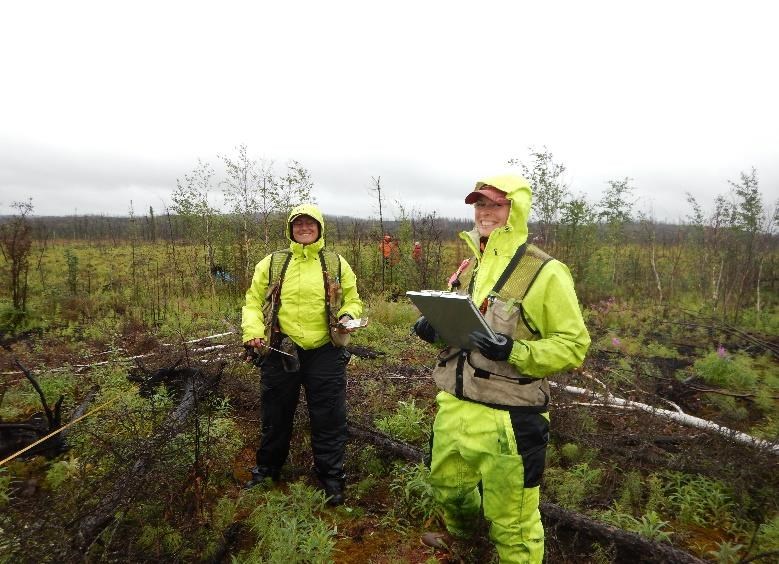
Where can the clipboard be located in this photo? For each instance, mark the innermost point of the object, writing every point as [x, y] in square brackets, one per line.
[454, 316]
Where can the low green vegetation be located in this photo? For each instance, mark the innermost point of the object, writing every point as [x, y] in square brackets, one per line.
[682, 318]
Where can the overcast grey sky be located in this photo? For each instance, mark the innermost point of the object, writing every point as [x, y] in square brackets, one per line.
[105, 103]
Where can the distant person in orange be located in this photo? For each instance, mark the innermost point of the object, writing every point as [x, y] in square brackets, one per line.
[416, 252]
[389, 250]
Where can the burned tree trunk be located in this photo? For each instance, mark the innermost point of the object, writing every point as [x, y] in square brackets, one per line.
[388, 444]
[630, 547]
[16, 435]
[195, 386]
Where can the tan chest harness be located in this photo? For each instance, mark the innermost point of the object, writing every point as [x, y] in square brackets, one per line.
[469, 375]
[331, 278]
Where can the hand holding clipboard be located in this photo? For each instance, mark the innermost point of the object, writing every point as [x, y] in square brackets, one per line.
[454, 317]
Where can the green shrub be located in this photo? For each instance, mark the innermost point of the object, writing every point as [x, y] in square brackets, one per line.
[413, 501]
[652, 527]
[61, 471]
[631, 491]
[660, 350]
[287, 526]
[571, 487]
[570, 452]
[727, 553]
[767, 539]
[408, 423]
[649, 525]
[698, 500]
[369, 461]
[5, 487]
[602, 554]
[223, 513]
[722, 369]
[655, 494]
[22, 399]
[161, 539]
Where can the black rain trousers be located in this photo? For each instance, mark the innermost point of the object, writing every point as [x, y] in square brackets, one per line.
[322, 374]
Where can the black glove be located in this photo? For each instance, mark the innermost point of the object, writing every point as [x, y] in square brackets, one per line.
[424, 330]
[251, 355]
[494, 350]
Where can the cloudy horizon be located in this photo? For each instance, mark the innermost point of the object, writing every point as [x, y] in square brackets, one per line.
[109, 105]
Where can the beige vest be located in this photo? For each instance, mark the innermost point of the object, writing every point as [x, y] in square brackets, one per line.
[468, 374]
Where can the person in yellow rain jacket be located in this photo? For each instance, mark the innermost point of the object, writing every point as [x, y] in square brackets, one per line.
[492, 423]
[295, 305]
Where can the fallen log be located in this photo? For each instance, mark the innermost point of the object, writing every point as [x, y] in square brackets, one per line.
[630, 547]
[597, 399]
[196, 385]
[384, 442]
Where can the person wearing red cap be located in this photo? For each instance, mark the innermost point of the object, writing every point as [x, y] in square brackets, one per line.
[492, 423]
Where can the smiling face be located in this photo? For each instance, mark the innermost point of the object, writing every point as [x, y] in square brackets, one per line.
[305, 230]
[489, 215]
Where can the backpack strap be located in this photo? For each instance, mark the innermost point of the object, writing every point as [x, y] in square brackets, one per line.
[510, 267]
[278, 266]
[276, 271]
[331, 263]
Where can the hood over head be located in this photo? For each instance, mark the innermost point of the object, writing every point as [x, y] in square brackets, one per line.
[312, 211]
[515, 189]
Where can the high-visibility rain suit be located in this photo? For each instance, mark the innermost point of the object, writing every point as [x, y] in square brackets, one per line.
[492, 424]
[302, 317]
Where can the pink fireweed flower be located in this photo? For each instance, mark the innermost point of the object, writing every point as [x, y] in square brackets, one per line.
[721, 352]
[616, 342]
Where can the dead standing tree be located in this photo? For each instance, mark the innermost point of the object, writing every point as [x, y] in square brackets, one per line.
[15, 245]
[379, 198]
[20, 434]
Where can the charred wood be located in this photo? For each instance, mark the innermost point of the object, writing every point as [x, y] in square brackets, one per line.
[195, 386]
[630, 547]
[388, 444]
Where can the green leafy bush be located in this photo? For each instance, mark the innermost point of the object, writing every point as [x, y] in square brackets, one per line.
[698, 500]
[767, 539]
[652, 527]
[570, 452]
[406, 424]
[722, 369]
[369, 461]
[22, 399]
[5, 487]
[727, 553]
[161, 539]
[413, 501]
[571, 487]
[287, 526]
[631, 491]
[61, 471]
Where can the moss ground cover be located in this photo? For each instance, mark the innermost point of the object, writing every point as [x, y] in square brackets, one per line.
[99, 306]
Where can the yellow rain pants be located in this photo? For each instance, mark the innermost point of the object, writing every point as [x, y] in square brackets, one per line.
[506, 452]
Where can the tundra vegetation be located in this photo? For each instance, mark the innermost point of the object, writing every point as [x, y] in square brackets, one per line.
[126, 331]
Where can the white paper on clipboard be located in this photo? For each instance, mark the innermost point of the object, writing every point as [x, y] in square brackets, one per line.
[453, 316]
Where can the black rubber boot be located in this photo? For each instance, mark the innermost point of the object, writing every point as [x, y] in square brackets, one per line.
[261, 475]
[334, 490]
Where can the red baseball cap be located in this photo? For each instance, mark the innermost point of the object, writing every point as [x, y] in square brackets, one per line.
[497, 196]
